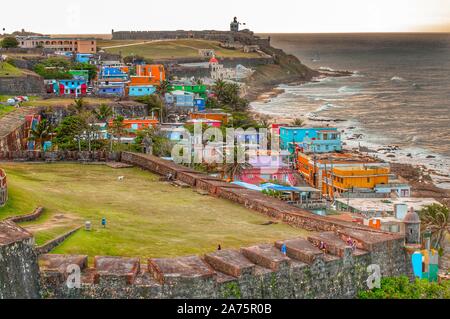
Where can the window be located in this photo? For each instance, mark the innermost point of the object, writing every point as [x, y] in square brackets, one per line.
[368, 179]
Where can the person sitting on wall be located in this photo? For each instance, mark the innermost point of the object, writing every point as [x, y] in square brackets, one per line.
[323, 246]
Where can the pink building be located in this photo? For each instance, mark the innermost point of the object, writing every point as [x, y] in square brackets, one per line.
[266, 168]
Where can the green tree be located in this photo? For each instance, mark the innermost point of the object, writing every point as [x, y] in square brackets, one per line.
[103, 113]
[154, 103]
[219, 89]
[78, 106]
[69, 132]
[54, 68]
[435, 218]
[161, 144]
[41, 133]
[9, 42]
[117, 129]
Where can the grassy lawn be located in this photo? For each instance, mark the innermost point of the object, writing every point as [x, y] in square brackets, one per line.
[7, 69]
[5, 109]
[174, 49]
[145, 217]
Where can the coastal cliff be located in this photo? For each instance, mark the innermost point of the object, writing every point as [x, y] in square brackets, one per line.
[286, 69]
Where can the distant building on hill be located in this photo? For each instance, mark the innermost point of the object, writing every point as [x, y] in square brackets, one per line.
[77, 45]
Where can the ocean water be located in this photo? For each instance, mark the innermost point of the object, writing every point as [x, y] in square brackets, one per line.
[399, 93]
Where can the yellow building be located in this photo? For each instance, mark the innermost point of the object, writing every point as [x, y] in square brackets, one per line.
[340, 172]
[342, 179]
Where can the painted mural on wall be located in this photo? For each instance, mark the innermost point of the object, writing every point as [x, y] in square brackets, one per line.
[426, 262]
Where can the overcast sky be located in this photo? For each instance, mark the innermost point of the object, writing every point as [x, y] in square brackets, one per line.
[100, 16]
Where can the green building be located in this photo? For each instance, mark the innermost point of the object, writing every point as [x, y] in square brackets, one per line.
[199, 89]
[80, 74]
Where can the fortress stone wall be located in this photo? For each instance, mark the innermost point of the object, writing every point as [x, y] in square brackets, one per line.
[259, 271]
[19, 272]
[244, 37]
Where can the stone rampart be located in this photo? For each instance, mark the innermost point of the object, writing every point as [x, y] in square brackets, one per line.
[19, 272]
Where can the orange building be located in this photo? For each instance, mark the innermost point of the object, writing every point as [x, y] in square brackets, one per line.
[149, 74]
[341, 172]
[133, 125]
[222, 117]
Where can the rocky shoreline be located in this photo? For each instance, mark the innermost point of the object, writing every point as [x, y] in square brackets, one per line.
[418, 176]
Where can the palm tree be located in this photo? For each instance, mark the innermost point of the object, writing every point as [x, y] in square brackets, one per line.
[435, 218]
[298, 122]
[154, 104]
[231, 170]
[219, 89]
[117, 129]
[41, 133]
[163, 88]
[78, 106]
[103, 113]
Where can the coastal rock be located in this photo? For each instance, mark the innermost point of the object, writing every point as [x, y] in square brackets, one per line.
[431, 156]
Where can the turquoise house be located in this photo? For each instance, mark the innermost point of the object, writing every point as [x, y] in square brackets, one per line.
[141, 90]
[310, 139]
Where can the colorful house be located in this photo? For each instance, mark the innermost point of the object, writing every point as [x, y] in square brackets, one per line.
[3, 188]
[113, 73]
[212, 123]
[341, 172]
[83, 57]
[134, 125]
[73, 87]
[180, 99]
[264, 168]
[155, 74]
[111, 90]
[80, 74]
[111, 87]
[141, 90]
[222, 117]
[199, 89]
[328, 140]
[310, 139]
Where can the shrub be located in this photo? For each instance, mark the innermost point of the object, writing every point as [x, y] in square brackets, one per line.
[402, 288]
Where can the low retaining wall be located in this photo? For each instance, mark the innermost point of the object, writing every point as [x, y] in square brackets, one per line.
[73, 156]
[29, 217]
[52, 244]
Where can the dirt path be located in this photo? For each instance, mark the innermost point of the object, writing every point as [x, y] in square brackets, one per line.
[57, 220]
[137, 43]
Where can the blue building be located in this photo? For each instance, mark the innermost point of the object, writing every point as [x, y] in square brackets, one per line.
[73, 87]
[113, 73]
[180, 98]
[310, 139]
[111, 89]
[200, 103]
[83, 57]
[141, 90]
